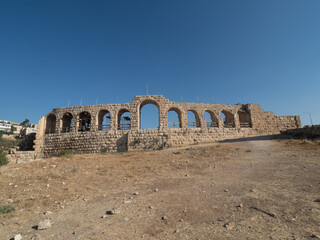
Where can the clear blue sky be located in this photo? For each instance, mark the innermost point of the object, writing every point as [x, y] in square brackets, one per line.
[265, 52]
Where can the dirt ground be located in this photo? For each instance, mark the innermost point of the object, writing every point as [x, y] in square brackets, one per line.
[254, 189]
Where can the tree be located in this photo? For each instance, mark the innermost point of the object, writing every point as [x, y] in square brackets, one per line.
[25, 123]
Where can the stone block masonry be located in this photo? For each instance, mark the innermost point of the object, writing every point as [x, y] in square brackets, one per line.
[116, 127]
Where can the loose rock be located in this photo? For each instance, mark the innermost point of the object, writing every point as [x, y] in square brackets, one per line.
[113, 211]
[36, 237]
[18, 237]
[45, 224]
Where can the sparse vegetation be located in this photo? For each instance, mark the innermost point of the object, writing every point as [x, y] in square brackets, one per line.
[3, 158]
[6, 144]
[66, 153]
[248, 150]
[6, 208]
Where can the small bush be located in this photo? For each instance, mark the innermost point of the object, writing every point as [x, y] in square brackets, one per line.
[6, 208]
[248, 150]
[66, 153]
[3, 158]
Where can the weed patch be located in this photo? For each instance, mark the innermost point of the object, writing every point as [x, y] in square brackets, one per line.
[3, 158]
[66, 153]
[6, 208]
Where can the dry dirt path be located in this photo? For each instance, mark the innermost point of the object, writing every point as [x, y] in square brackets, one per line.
[234, 190]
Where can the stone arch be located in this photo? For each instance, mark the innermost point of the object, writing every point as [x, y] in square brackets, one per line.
[174, 124]
[67, 122]
[244, 119]
[84, 121]
[145, 102]
[51, 120]
[194, 123]
[124, 119]
[104, 120]
[228, 119]
[213, 121]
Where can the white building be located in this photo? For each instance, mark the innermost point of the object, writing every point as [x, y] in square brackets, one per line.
[5, 126]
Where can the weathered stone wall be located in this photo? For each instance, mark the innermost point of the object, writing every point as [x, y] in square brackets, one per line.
[80, 128]
[306, 132]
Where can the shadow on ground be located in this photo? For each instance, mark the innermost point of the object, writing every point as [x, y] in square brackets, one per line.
[258, 138]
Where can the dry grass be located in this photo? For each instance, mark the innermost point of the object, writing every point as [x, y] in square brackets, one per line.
[191, 182]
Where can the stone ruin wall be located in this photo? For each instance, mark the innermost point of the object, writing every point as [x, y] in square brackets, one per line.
[242, 120]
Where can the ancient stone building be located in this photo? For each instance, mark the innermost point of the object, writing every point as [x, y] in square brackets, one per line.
[116, 127]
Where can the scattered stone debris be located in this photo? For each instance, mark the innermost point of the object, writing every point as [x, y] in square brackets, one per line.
[315, 236]
[239, 205]
[226, 190]
[45, 224]
[164, 218]
[18, 237]
[135, 193]
[113, 211]
[229, 225]
[317, 200]
[36, 237]
[47, 213]
[156, 190]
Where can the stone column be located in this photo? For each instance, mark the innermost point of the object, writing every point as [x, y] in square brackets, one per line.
[94, 121]
[184, 119]
[135, 120]
[236, 119]
[75, 124]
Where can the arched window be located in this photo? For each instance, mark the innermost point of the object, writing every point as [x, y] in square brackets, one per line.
[51, 124]
[84, 122]
[193, 119]
[149, 115]
[174, 118]
[124, 120]
[67, 122]
[244, 119]
[104, 120]
[211, 119]
[228, 119]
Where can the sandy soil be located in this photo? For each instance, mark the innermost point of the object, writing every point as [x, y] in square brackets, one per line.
[258, 189]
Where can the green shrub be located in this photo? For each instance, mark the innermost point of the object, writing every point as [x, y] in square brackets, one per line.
[66, 153]
[6, 208]
[3, 158]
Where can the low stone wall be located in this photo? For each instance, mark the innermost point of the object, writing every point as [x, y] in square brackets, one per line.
[85, 142]
[306, 132]
[22, 156]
